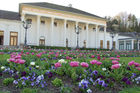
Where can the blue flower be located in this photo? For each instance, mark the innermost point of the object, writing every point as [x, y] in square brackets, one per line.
[15, 82]
[95, 72]
[32, 84]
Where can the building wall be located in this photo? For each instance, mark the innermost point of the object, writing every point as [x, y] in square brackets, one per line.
[10, 26]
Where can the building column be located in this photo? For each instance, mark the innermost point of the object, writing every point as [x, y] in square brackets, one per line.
[75, 33]
[105, 45]
[52, 32]
[96, 37]
[124, 44]
[138, 44]
[87, 36]
[132, 45]
[65, 32]
[38, 30]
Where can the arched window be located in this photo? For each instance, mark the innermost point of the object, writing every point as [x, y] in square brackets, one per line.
[42, 41]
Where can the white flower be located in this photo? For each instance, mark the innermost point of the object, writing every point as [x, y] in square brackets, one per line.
[37, 66]
[8, 60]
[89, 91]
[104, 69]
[2, 67]
[32, 63]
[62, 61]
[120, 64]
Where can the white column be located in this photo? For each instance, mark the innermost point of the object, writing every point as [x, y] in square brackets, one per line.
[105, 45]
[87, 35]
[138, 45]
[52, 32]
[38, 30]
[65, 32]
[76, 34]
[132, 42]
[124, 44]
[96, 37]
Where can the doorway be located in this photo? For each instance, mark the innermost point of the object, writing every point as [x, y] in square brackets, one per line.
[1, 37]
[13, 38]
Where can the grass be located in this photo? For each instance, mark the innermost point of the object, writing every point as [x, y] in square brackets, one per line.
[131, 90]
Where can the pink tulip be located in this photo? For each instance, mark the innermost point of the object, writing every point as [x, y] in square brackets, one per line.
[116, 66]
[74, 64]
[27, 53]
[21, 61]
[131, 63]
[118, 56]
[112, 58]
[99, 63]
[92, 56]
[136, 64]
[12, 59]
[117, 59]
[58, 64]
[93, 61]
[17, 57]
[84, 64]
[38, 55]
[138, 68]
[115, 62]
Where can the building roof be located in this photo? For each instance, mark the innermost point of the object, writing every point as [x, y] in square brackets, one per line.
[62, 8]
[9, 15]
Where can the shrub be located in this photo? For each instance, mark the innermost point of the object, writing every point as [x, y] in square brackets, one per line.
[7, 81]
[57, 82]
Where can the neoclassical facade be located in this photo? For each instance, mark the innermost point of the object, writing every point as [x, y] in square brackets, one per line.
[56, 25]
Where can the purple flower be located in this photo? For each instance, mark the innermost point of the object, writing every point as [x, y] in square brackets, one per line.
[15, 82]
[24, 78]
[133, 75]
[100, 82]
[23, 73]
[95, 72]
[128, 82]
[32, 84]
[23, 83]
[124, 79]
[104, 84]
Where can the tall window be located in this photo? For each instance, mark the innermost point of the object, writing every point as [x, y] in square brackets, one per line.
[84, 43]
[128, 45]
[42, 42]
[1, 37]
[114, 44]
[121, 45]
[101, 43]
[107, 44]
[13, 38]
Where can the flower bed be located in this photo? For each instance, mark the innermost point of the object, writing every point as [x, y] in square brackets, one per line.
[69, 71]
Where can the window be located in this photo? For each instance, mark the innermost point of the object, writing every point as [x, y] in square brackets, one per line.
[13, 38]
[1, 37]
[107, 44]
[42, 22]
[114, 44]
[84, 27]
[67, 25]
[121, 45]
[42, 42]
[55, 23]
[101, 44]
[128, 45]
[84, 43]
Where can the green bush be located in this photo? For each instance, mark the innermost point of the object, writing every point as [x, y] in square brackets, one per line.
[7, 81]
[57, 82]
[29, 90]
[131, 90]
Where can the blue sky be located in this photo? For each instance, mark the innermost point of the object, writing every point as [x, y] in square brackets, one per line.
[98, 7]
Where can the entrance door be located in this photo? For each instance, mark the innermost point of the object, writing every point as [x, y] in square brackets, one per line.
[114, 44]
[1, 37]
[101, 44]
[13, 38]
[107, 44]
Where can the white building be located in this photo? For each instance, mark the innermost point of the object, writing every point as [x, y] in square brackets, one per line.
[55, 25]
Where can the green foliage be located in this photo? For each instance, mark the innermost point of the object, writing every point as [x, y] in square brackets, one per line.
[65, 89]
[57, 82]
[29, 90]
[5, 91]
[8, 81]
[131, 90]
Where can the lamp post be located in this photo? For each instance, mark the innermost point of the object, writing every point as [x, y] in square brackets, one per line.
[26, 25]
[112, 34]
[77, 31]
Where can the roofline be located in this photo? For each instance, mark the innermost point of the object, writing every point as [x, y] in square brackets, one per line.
[61, 11]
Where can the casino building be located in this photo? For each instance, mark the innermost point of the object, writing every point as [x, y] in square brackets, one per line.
[62, 26]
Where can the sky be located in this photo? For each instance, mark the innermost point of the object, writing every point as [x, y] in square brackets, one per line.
[98, 7]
